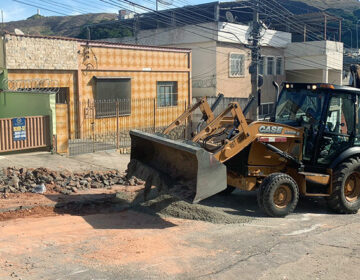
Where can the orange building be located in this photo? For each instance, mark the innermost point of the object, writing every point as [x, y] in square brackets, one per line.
[101, 87]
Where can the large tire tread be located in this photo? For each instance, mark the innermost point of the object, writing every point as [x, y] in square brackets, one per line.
[266, 192]
[337, 201]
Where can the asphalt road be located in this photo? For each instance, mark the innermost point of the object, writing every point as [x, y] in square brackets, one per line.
[309, 244]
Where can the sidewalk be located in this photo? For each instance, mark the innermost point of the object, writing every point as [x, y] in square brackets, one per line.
[95, 161]
[14, 205]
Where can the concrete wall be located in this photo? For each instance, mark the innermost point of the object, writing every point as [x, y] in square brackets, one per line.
[319, 61]
[241, 86]
[204, 67]
[188, 34]
[24, 52]
[232, 86]
[235, 33]
[217, 31]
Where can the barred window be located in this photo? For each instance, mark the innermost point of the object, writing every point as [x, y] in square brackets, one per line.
[111, 91]
[270, 66]
[167, 94]
[237, 65]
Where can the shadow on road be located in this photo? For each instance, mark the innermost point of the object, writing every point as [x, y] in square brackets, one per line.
[105, 211]
[245, 203]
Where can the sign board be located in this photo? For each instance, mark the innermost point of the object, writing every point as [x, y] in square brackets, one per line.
[19, 129]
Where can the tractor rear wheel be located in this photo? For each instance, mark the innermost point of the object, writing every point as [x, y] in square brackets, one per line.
[278, 195]
[345, 197]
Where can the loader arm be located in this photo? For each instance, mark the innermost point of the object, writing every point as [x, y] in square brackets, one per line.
[245, 133]
[205, 109]
[237, 118]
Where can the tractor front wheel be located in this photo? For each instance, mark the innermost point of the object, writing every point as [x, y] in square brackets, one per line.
[345, 197]
[278, 195]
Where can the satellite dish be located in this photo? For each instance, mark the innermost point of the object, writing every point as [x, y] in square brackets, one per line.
[229, 16]
[165, 2]
[18, 32]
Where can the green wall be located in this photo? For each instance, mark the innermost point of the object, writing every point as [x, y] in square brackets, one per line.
[16, 104]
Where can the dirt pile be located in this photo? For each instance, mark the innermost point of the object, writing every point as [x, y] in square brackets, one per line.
[165, 196]
[22, 180]
[168, 205]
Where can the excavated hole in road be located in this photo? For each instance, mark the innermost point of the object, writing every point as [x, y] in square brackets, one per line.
[165, 197]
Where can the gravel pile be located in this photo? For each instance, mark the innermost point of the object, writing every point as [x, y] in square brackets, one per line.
[22, 180]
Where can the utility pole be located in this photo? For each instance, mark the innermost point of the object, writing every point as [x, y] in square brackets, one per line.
[255, 56]
[2, 20]
[157, 5]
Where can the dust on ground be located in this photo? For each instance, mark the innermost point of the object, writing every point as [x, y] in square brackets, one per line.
[165, 196]
[168, 205]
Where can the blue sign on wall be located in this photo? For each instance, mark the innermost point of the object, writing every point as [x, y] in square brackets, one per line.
[19, 129]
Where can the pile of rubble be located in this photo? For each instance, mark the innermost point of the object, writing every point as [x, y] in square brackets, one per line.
[21, 180]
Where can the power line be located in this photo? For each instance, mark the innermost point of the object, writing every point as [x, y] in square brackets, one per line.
[39, 7]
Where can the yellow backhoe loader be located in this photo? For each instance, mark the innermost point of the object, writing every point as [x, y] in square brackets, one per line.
[311, 147]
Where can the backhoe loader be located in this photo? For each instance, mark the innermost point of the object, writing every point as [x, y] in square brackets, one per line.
[311, 147]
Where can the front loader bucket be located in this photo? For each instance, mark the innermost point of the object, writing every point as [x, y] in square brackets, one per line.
[182, 162]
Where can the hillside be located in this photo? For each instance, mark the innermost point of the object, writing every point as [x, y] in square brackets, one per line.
[68, 26]
[346, 5]
[74, 26]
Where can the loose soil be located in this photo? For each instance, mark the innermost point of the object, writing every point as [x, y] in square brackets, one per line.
[159, 196]
[171, 206]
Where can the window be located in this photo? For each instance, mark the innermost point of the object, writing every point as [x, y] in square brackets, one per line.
[266, 109]
[270, 66]
[62, 96]
[167, 94]
[279, 66]
[261, 65]
[109, 92]
[339, 128]
[237, 65]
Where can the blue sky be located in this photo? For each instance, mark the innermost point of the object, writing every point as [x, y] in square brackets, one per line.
[17, 11]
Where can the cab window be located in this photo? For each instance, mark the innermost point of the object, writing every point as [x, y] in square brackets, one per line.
[339, 127]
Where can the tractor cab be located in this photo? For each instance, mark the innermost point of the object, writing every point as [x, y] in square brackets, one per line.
[328, 114]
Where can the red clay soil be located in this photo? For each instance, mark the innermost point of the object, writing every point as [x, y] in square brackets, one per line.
[21, 205]
[39, 211]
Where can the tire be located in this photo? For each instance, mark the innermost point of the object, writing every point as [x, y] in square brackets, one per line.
[228, 190]
[278, 195]
[345, 197]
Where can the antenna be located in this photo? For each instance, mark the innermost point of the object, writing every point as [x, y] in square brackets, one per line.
[229, 16]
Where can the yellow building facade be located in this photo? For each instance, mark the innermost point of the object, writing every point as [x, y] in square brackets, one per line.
[101, 87]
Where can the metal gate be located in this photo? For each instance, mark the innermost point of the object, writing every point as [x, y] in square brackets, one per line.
[36, 134]
[105, 125]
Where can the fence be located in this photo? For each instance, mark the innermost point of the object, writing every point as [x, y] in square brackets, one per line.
[35, 133]
[105, 125]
